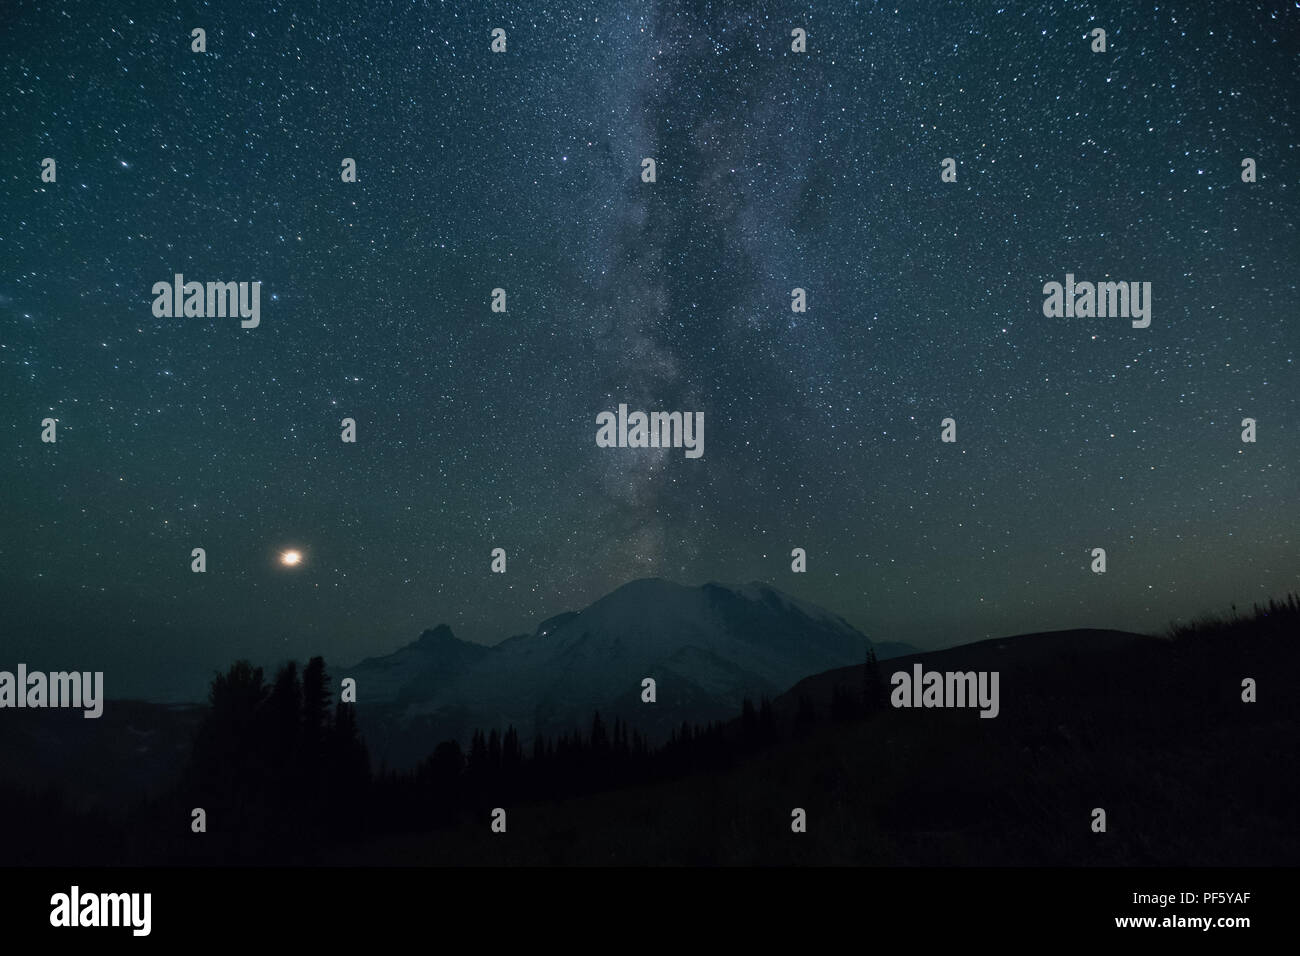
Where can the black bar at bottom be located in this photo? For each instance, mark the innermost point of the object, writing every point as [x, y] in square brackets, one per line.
[332, 905]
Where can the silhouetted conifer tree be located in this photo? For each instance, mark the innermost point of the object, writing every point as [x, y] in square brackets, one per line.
[316, 700]
[766, 724]
[512, 754]
[599, 738]
[748, 722]
[873, 684]
[477, 761]
[347, 780]
[231, 771]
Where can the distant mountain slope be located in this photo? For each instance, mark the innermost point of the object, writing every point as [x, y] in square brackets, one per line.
[707, 648]
[418, 669]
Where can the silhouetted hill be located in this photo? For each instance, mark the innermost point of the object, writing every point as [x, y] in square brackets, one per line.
[1152, 730]
[1056, 649]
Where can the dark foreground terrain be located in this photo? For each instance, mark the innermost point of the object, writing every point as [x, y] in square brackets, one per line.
[1153, 730]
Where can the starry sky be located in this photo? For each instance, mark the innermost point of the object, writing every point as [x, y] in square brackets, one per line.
[521, 171]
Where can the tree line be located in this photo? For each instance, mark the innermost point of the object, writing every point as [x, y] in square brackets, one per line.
[281, 770]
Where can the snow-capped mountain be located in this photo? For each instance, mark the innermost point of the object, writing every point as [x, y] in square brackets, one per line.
[706, 648]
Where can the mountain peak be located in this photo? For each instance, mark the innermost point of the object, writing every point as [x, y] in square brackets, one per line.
[646, 584]
[438, 635]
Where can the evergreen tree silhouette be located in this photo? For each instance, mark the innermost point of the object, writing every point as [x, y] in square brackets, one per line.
[447, 761]
[348, 771]
[478, 753]
[873, 684]
[230, 766]
[766, 724]
[748, 723]
[512, 754]
[316, 698]
[281, 718]
[599, 738]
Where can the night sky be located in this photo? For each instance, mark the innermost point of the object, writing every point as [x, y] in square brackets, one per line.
[521, 170]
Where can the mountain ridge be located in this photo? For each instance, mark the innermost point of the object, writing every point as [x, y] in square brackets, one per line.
[707, 647]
